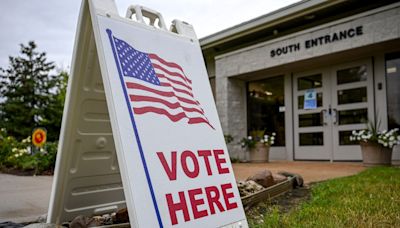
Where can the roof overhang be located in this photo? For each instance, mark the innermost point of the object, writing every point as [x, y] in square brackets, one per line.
[296, 10]
[288, 20]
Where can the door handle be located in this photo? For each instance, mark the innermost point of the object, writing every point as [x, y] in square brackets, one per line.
[334, 116]
[323, 115]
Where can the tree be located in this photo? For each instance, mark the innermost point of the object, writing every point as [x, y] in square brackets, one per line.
[28, 90]
[52, 115]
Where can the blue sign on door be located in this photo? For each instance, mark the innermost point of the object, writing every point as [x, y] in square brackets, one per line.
[310, 99]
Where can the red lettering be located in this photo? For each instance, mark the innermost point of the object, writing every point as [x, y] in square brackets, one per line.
[189, 154]
[227, 196]
[213, 199]
[220, 161]
[196, 198]
[205, 154]
[174, 207]
[196, 202]
[170, 171]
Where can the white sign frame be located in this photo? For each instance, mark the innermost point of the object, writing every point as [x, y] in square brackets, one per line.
[92, 55]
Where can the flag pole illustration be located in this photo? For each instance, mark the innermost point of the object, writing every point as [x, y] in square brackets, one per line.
[130, 110]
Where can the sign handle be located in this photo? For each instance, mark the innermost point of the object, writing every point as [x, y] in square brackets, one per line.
[152, 15]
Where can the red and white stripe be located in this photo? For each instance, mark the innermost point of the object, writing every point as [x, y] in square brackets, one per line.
[173, 98]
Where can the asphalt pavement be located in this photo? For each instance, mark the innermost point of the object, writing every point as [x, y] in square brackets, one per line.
[24, 198]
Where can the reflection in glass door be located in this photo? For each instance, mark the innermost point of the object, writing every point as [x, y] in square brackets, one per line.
[265, 103]
[344, 102]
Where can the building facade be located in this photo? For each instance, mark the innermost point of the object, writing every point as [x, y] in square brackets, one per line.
[312, 73]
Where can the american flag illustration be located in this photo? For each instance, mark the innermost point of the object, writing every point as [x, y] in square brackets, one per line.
[155, 85]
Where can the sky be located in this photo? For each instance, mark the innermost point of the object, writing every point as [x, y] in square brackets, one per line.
[52, 23]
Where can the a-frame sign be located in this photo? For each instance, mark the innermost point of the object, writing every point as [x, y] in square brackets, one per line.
[140, 127]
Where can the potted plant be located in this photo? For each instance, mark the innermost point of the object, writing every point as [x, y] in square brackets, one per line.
[258, 144]
[376, 146]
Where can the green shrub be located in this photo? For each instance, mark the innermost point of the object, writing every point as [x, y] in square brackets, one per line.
[6, 145]
[24, 156]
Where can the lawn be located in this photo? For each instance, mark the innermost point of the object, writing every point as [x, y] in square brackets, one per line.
[369, 199]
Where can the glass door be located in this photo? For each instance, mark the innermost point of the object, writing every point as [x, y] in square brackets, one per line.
[344, 102]
[352, 106]
[312, 133]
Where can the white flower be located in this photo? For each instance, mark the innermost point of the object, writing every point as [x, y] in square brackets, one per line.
[273, 133]
[249, 137]
[272, 138]
[262, 141]
[266, 137]
[385, 144]
[14, 150]
[364, 137]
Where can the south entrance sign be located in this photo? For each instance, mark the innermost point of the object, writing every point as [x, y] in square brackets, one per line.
[159, 149]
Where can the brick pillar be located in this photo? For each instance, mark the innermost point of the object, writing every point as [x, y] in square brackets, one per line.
[231, 106]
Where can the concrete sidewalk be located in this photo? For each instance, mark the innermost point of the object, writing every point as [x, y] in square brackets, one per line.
[25, 198]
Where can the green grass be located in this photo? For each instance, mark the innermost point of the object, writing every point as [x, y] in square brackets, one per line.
[369, 199]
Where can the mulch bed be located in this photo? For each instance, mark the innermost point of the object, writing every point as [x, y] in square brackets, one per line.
[285, 203]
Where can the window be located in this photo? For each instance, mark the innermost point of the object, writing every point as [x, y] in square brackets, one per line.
[392, 89]
[266, 107]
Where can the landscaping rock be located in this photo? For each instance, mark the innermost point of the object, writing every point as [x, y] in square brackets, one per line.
[103, 220]
[41, 219]
[298, 181]
[278, 178]
[263, 178]
[248, 187]
[83, 222]
[122, 216]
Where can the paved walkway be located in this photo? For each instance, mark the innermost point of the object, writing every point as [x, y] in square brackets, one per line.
[310, 171]
[23, 198]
